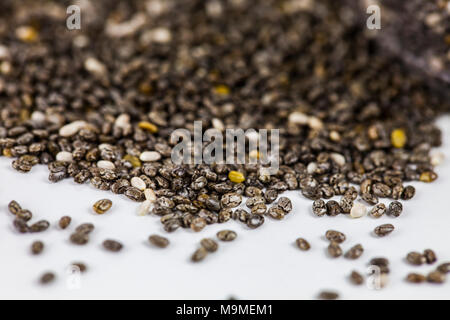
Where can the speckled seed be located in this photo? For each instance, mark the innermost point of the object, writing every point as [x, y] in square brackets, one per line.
[198, 224]
[64, 222]
[416, 278]
[378, 210]
[37, 247]
[302, 244]
[335, 236]
[226, 235]
[358, 210]
[444, 267]
[430, 256]
[81, 267]
[150, 156]
[354, 252]
[39, 226]
[79, 238]
[319, 207]
[105, 164]
[334, 250]
[255, 221]
[328, 295]
[436, 277]
[333, 208]
[112, 245]
[416, 258]
[356, 278]
[85, 228]
[138, 183]
[64, 156]
[276, 212]
[47, 277]
[24, 214]
[101, 206]
[21, 225]
[395, 209]
[150, 195]
[14, 207]
[199, 254]
[285, 204]
[209, 244]
[158, 241]
[384, 229]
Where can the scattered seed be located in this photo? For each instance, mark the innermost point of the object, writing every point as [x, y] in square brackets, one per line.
[416, 278]
[384, 229]
[328, 295]
[47, 277]
[302, 244]
[436, 277]
[101, 206]
[37, 247]
[112, 245]
[209, 244]
[356, 278]
[199, 254]
[395, 209]
[416, 258]
[64, 222]
[334, 250]
[158, 241]
[226, 235]
[355, 252]
[430, 256]
[335, 236]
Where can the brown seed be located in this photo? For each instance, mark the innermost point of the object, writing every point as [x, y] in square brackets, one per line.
[226, 235]
[378, 210]
[416, 278]
[436, 277]
[158, 241]
[430, 256]
[14, 207]
[101, 206]
[302, 244]
[112, 245]
[333, 208]
[64, 222]
[328, 295]
[209, 244]
[198, 224]
[21, 225]
[199, 254]
[79, 238]
[384, 229]
[395, 209]
[85, 228]
[276, 213]
[255, 221]
[355, 252]
[356, 278]
[444, 267]
[335, 236]
[39, 226]
[319, 208]
[415, 258]
[81, 267]
[24, 214]
[47, 277]
[379, 262]
[334, 250]
[37, 247]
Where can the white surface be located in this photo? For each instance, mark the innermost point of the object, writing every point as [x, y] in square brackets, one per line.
[259, 264]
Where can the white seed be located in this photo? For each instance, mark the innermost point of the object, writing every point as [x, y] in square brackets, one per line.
[148, 156]
[358, 210]
[4, 52]
[297, 117]
[72, 128]
[311, 168]
[145, 208]
[338, 158]
[38, 116]
[105, 146]
[122, 121]
[105, 164]
[95, 67]
[127, 28]
[437, 158]
[335, 136]
[315, 123]
[138, 183]
[64, 156]
[217, 124]
[150, 195]
[161, 35]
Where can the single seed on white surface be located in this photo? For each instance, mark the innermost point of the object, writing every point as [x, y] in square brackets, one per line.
[38, 116]
[297, 117]
[315, 123]
[358, 210]
[311, 168]
[338, 158]
[105, 164]
[145, 208]
[437, 158]
[64, 156]
[148, 156]
[72, 128]
[150, 195]
[138, 183]
[122, 121]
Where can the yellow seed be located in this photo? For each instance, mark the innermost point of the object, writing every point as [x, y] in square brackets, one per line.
[145, 88]
[236, 176]
[24, 114]
[7, 152]
[150, 127]
[398, 138]
[135, 162]
[428, 176]
[27, 34]
[222, 90]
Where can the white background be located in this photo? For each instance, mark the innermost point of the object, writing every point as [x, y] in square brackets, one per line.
[259, 264]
